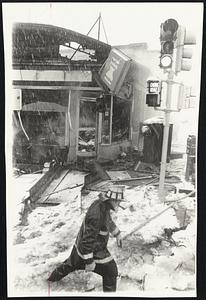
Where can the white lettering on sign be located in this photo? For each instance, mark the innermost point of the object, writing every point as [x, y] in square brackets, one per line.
[112, 68]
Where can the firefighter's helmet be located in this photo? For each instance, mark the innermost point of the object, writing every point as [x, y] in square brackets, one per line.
[116, 192]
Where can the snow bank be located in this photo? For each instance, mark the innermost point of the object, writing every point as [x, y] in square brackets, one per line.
[147, 256]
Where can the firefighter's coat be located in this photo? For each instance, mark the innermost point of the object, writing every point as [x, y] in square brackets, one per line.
[91, 242]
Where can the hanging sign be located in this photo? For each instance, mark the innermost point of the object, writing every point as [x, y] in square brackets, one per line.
[114, 70]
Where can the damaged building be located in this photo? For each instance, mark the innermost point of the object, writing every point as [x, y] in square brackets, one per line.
[50, 88]
[79, 99]
[67, 101]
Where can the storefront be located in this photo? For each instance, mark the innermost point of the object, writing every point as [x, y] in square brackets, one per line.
[54, 103]
[75, 103]
[119, 121]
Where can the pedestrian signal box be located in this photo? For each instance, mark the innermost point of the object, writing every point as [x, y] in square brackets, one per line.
[153, 96]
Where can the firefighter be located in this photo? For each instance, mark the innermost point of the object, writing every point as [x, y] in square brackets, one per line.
[90, 251]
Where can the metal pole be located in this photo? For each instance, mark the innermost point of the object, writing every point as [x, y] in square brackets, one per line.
[87, 34]
[165, 136]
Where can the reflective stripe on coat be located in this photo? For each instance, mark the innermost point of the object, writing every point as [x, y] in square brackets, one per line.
[92, 239]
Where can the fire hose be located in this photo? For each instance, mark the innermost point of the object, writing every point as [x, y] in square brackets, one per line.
[156, 216]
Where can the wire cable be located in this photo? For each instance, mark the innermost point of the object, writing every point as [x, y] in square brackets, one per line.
[69, 113]
[20, 121]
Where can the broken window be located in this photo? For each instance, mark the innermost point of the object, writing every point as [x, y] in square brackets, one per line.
[115, 127]
[45, 136]
[87, 125]
[120, 120]
[39, 127]
[76, 52]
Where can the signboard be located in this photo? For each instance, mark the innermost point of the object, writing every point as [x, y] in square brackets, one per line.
[114, 70]
[153, 86]
[52, 75]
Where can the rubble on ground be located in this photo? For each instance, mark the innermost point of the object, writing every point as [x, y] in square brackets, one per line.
[150, 259]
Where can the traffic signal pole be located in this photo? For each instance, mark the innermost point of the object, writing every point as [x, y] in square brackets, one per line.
[174, 57]
[165, 136]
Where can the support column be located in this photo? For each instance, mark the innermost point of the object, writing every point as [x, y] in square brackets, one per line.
[111, 115]
[67, 137]
[77, 123]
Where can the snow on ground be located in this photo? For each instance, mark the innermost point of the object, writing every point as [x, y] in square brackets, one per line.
[17, 191]
[149, 261]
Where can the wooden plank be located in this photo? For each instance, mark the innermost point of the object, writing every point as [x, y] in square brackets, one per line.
[64, 189]
[101, 186]
[133, 179]
[42, 184]
[118, 175]
[46, 195]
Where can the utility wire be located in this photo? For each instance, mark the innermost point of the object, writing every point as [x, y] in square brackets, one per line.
[69, 113]
[20, 121]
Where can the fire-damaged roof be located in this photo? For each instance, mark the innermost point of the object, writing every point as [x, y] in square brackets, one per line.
[40, 42]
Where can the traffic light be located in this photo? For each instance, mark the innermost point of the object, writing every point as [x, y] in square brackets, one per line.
[183, 55]
[153, 96]
[168, 35]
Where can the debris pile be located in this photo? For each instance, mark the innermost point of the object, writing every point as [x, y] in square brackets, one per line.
[159, 256]
[86, 141]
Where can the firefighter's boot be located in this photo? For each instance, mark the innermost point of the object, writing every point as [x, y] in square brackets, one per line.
[110, 285]
[59, 273]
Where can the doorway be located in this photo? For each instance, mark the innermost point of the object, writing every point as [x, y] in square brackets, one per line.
[87, 127]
